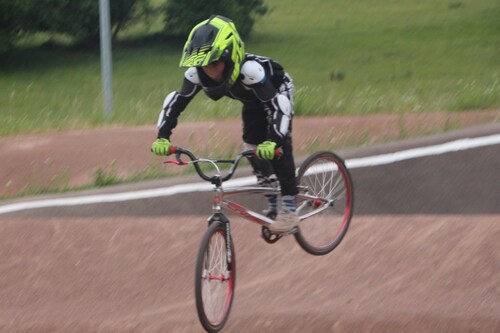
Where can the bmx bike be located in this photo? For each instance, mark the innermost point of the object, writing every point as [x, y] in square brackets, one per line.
[324, 205]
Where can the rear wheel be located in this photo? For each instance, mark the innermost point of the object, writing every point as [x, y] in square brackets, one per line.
[215, 278]
[324, 177]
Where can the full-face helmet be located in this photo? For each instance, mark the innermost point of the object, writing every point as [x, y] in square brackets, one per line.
[215, 39]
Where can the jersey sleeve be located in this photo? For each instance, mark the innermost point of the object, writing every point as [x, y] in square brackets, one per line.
[174, 104]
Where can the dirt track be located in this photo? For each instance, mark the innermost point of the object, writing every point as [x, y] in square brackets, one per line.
[391, 274]
[103, 269]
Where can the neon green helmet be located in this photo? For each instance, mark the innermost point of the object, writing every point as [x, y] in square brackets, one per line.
[215, 39]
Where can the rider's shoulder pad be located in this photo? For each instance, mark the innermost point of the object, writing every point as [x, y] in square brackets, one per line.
[192, 75]
[252, 72]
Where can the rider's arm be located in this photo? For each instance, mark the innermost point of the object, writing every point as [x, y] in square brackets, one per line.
[176, 102]
[259, 80]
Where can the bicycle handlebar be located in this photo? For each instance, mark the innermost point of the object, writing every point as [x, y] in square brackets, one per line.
[217, 179]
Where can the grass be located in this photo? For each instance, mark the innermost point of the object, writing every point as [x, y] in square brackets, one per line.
[346, 57]
[394, 56]
[104, 176]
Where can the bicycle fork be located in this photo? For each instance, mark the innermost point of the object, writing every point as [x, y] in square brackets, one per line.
[219, 216]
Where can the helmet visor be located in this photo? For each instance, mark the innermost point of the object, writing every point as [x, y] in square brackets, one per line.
[200, 49]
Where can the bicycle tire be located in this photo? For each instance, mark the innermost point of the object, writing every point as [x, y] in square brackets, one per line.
[212, 273]
[324, 174]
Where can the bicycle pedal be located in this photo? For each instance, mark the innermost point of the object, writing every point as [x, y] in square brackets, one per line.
[269, 236]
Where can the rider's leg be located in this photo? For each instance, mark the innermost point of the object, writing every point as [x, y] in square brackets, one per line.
[287, 217]
[254, 132]
[285, 166]
[263, 170]
[256, 125]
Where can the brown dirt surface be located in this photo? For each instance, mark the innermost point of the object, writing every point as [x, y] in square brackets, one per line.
[127, 274]
[71, 159]
[129, 267]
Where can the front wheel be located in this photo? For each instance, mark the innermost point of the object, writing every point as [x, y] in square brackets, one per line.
[215, 278]
[325, 202]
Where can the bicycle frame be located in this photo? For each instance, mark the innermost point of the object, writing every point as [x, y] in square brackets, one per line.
[220, 200]
[220, 194]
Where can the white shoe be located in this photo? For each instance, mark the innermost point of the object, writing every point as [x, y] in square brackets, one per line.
[286, 221]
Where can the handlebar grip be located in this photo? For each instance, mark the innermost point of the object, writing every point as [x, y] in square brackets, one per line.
[278, 152]
[172, 150]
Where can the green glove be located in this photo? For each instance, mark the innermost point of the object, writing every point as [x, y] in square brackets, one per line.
[266, 150]
[161, 147]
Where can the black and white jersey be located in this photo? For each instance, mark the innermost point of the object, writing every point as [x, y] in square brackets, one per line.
[262, 82]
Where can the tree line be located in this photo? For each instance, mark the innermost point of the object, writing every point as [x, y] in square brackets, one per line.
[79, 20]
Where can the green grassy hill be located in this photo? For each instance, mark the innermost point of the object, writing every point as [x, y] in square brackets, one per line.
[346, 56]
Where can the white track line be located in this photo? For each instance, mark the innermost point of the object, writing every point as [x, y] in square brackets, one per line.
[457, 145]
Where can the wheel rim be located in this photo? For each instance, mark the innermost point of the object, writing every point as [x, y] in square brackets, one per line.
[325, 178]
[216, 281]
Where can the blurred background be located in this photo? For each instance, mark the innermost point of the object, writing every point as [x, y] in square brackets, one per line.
[346, 57]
